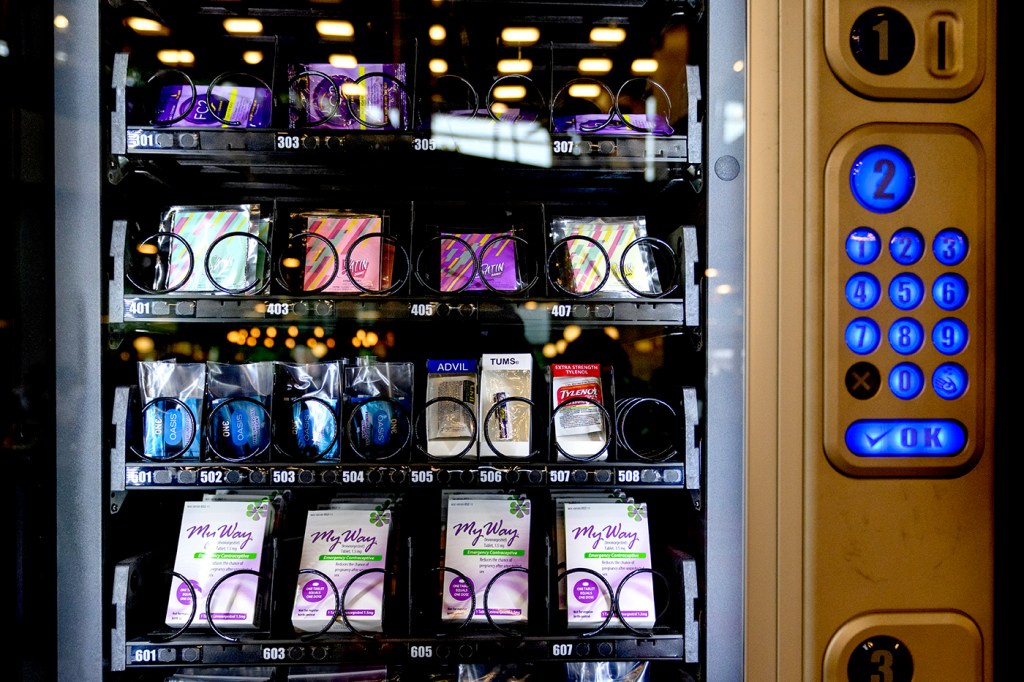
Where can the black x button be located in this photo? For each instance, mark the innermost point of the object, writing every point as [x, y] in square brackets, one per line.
[863, 380]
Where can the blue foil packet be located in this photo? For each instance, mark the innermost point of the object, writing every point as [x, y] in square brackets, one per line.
[238, 425]
[172, 402]
[306, 400]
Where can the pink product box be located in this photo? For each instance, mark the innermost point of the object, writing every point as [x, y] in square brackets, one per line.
[497, 263]
[343, 232]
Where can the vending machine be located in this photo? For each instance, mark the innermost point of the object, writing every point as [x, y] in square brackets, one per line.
[467, 340]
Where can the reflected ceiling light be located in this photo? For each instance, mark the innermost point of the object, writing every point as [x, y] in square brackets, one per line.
[293, 331]
[252, 57]
[343, 61]
[723, 289]
[572, 332]
[711, 272]
[60, 21]
[332, 28]
[549, 350]
[607, 34]
[561, 345]
[290, 262]
[146, 248]
[644, 65]
[272, 332]
[437, 33]
[515, 66]
[498, 109]
[737, 66]
[289, 343]
[595, 65]
[509, 92]
[268, 342]
[585, 90]
[438, 66]
[246, 25]
[251, 341]
[146, 27]
[520, 35]
[319, 350]
[318, 332]
[350, 89]
[612, 333]
[176, 57]
[143, 344]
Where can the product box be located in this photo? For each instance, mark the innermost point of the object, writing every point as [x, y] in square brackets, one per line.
[503, 376]
[341, 542]
[588, 265]
[236, 263]
[613, 540]
[497, 264]
[581, 428]
[342, 230]
[486, 533]
[452, 426]
[219, 537]
[376, 102]
[237, 106]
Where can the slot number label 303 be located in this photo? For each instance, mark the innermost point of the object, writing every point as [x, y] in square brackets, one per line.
[287, 142]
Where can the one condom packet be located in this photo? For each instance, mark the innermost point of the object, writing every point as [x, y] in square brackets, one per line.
[378, 100]
[217, 538]
[377, 402]
[236, 262]
[239, 106]
[497, 264]
[343, 230]
[308, 396]
[588, 265]
[239, 398]
[172, 402]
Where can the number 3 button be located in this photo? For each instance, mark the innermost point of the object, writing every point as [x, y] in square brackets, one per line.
[882, 179]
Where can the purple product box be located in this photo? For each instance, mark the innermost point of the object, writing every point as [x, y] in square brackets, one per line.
[584, 124]
[241, 107]
[497, 263]
[377, 102]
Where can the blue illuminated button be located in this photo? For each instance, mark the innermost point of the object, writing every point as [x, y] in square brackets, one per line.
[863, 245]
[863, 290]
[882, 179]
[949, 291]
[906, 291]
[906, 335]
[906, 246]
[906, 380]
[906, 437]
[950, 336]
[950, 246]
[863, 335]
[949, 381]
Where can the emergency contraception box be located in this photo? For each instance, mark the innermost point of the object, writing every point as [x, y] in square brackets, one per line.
[342, 542]
[611, 539]
[219, 537]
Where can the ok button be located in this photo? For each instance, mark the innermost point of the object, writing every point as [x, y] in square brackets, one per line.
[863, 380]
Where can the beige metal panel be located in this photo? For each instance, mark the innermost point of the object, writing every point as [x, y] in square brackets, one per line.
[887, 547]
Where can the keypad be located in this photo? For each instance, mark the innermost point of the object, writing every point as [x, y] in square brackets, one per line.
[904, 293]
